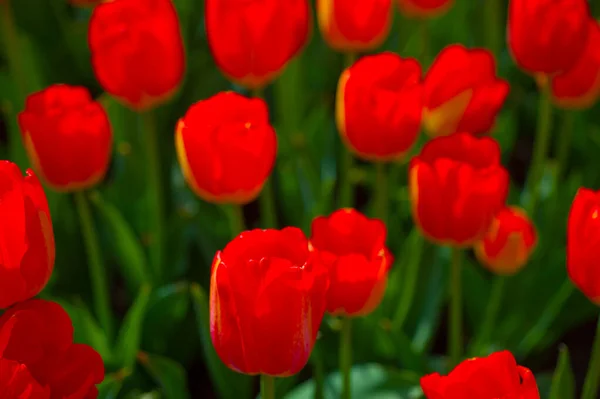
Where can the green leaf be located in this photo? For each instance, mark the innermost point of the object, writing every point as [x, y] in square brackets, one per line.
[128, 341]
[563, 380]
[169, 374]
[112, 384]
[227, 383]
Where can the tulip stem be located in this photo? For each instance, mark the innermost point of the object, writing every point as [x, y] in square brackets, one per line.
[346, 193]
[381, 192]
[97, 270]
[491, 315]
[592, 379]
[455, 335]
[493, 16]
[267, 387]
[235, 216]
[564, 144]
[346, 357]
[424, 36]
[409, 280]
[318, 368]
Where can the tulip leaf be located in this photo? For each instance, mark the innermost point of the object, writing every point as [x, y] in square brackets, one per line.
[128, 341]
[563, 380]
[169, 374]
[111, 386]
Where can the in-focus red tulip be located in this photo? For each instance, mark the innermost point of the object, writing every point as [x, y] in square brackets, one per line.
[579, 87]
[508, 244]
[226, 147]
[67, 136]
[252, 41]
[457, 185]
[424, 8]
[16, 382]
[354, 26]
[583, 240]
[547, 36]
[26, 236]
[462, 92]
[267, 299]
[352, 247]
[379, 105]
[38, 335]
[494, 377]
[137, 50]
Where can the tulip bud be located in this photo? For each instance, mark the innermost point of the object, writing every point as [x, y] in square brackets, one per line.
[67, 136]
[379, 105]
[424, 8]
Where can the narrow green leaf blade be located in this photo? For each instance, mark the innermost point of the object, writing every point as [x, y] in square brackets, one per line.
[169, 374]
[563, 380]
[128, 341]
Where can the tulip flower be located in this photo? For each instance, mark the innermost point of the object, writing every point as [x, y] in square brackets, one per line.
[424, 8]
[379, 106]
[67, 136]
[352, 247]
[462, 92]
[16, 382]
[38, 335]
[137, 50]
[267, 299]
[354, 26]
[495, 376]
[226, 147]
[26, 236]
[579, 87]
[547, 36]
[252, 41]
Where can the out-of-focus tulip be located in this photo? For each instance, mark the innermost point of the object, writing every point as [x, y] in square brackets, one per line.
[16, 382]
[495, 376]
[226, 147]
[379, 106]
[39, 335]
[547, 36]
[511, 239]
[353, 249]
[354, 26]
[267, 299]
[583, 240]
[26, 236]
[579, 87]
[424, 8]
[462, 92]
[457, 185]
[67, 136]
[137, 50]
[253, 40]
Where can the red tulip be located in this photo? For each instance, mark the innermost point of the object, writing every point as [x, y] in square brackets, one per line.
[379, 105]
[462, 92]
[137, 50]
[267, 299]
[68, 137]
[16, 382]
[352, 247]
[253, 40]
[26, 236]
[424, 8]
[353, 26]
[39, 336]
[494, 377]
[457, 185]
[547, 36]
[583, 238]
[579, 87]
[508, 244]
[226, 147]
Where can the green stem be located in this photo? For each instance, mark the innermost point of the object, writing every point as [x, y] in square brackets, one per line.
[99, 283]
[267, 387]
[455, 334]
[235, 216]
[592, 379]
[491, 315]
[540, 150]
[156, 193]
[424, 36]
[267, 206]
[381, 192]
[346, 194]
[564, 144]
[318, 371]
[346, 357]
[493, 17]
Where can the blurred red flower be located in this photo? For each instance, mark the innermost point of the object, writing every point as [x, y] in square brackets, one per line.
[424, 8]
[457, 185]
[494, 377]
[353, 249]
[508, 244]
[68, 137]
[137, 50]
[462, 92]
[26, 236]
[583, 239]
[253, 40]
[547, 36]
[16, 382]
[353, 26]
[379, 105]
[267, 299]
[226, 147]
[38, 335]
